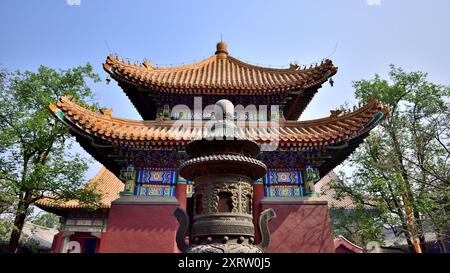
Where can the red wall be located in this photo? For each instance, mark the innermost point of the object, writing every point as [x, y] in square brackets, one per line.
[140, 228]
[258, 195]
[300, 228]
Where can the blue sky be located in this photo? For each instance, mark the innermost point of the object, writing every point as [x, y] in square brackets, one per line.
[362, 37]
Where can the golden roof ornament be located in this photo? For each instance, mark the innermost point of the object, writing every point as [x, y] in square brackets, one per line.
[335, 113]
[147, 64]
[221, 50]
[293, 66]
[107, 112]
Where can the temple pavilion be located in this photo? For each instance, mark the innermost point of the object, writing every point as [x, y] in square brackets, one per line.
[143, 156]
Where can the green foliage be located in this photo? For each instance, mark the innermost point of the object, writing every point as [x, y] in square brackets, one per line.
[404, 164]
[35, 155]
[46, 219]
[359, 224]
[28, 244]
[6, 225]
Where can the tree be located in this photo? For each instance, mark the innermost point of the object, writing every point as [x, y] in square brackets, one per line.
[359, 224]
[36, 160]
[46, 219]
[402, 169]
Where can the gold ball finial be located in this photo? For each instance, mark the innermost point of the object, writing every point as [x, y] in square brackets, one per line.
[222, 48]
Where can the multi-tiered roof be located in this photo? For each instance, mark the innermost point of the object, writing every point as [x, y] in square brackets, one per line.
[115, 142]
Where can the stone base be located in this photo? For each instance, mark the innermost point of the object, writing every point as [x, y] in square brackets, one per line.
[302, 225]
[141, 224]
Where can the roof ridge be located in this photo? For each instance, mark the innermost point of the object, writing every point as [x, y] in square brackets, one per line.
[161, 68]
[291, 68]
[136, 65]
[350, 242]
[86, 110]
[369, 105]
[249, 78]
[95, 179]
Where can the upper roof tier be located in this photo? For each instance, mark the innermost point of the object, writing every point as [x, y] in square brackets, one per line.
[219, 75]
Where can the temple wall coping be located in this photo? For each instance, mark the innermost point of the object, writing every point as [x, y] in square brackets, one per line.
[134, 199]
[301, 200]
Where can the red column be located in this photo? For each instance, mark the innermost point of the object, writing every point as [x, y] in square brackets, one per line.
[258, 194]
[180, 194]
[57, 240]
[97, 245]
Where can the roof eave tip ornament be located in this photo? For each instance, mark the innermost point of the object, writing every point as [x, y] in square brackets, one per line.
[52, 107]
[334, 114]
[106, 112]
[147, 64]
[331, 82]
[294, 66]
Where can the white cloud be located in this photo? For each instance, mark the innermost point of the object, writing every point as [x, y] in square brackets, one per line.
[73, 2]
[373, 2]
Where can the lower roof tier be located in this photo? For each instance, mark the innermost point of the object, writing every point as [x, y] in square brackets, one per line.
[104, 183]
[323, 143]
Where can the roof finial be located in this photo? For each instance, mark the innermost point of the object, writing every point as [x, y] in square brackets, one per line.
[221, 49]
